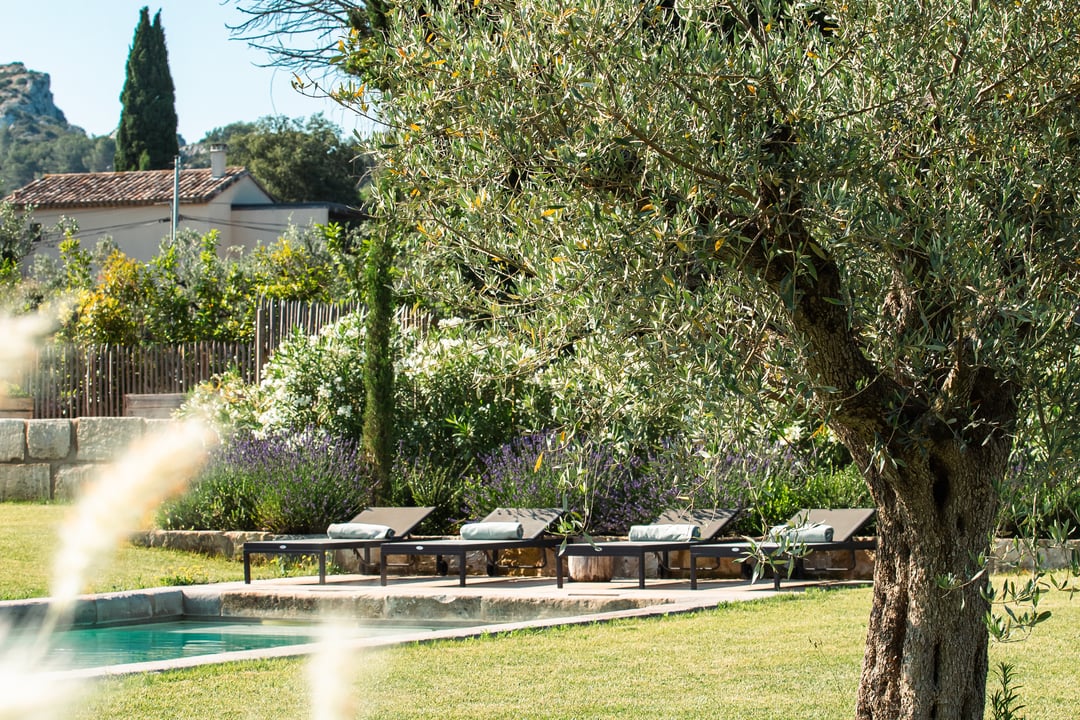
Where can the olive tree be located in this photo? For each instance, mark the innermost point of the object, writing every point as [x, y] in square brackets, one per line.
[867, 209]
[17, 232]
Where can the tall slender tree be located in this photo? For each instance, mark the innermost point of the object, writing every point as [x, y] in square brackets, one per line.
[378, 358]
[146, 139]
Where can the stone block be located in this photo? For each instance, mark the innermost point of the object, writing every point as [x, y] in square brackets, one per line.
[12, 440]
[123, 607]
[520, 609]
[24, 482]
[434, 607]
[723, 567]
[84, 614]
[844, 564]
[1010, 556]
[101, 439]
[527, 561]
[364, 561]
[166, 603]
[20, 613]
[202, 601]
[203, 542]
[71, 479]
[270, 604]
[157, 426]
[48, 439]
[584, 568]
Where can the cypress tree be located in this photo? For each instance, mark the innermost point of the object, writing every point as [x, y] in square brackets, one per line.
[378, 439]
[146, 138]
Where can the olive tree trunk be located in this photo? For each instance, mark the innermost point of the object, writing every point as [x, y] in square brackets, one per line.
[926, 645]
[932, 451]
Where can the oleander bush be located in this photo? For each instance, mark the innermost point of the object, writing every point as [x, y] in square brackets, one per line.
[315, 381]
[460, 393]
[459, 390]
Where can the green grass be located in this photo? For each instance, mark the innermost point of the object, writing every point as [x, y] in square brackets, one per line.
[797, 656]
[794, 656]
[29, 541]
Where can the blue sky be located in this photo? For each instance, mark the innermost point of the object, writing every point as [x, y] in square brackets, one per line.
[83, 46]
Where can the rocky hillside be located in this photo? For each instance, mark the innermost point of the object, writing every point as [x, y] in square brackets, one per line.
[35, 137]
[26, 98]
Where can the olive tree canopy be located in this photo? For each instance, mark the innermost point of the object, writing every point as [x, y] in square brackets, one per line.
[867, 209]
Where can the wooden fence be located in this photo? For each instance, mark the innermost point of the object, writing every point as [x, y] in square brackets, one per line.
[275, 320]
[68, 381]
[76, 381]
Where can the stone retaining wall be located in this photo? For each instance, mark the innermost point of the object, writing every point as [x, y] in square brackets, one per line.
[51, 459]
[208, 601]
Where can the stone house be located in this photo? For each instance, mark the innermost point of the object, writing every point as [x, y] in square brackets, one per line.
[135, 208]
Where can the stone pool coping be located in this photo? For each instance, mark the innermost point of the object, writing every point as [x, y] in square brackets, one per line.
[503, 604]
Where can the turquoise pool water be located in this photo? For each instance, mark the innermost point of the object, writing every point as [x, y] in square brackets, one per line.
[172, 640]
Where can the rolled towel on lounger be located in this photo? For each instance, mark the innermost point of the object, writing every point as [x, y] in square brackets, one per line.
[492, 531]
[679, 532]
[359, 531]
[810, 533]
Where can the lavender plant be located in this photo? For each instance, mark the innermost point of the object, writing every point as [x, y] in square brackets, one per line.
[600, 485]
[771, 480]
[309, 480]
[515, 475]
[281, 482]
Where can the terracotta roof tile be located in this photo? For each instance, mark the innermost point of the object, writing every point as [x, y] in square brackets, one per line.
[148, 187]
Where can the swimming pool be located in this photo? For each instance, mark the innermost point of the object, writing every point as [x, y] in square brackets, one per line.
[97, 647]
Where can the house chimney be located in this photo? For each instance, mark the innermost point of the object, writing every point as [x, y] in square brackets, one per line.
[217, 160]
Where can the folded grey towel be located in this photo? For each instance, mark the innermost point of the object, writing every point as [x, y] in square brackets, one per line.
[492, 531]
[359, 531]
[679, 532]
[809, 533]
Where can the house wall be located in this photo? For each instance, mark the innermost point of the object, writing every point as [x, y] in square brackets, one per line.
[252, 226]
[138, 230]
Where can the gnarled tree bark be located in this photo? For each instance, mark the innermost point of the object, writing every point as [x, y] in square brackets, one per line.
[931, 458]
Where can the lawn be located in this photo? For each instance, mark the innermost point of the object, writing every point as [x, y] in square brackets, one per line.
[29, 541]
[796, 656]
[792, 657]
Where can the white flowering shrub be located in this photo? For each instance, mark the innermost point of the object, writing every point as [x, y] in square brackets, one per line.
[226, 403]
[316, 381]
[462, 391]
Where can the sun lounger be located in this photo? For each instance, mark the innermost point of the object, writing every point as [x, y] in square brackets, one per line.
[841, 524]
[711, 522]
[502, 529]
[396, 522]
